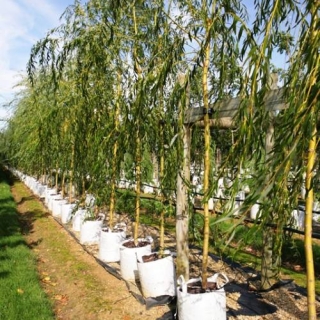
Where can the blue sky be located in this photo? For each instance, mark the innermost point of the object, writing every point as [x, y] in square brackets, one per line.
[22, 24]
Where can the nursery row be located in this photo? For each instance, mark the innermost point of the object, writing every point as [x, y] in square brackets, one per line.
[154, 271]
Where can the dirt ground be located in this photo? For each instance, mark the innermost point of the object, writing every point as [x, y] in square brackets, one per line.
[81, 288]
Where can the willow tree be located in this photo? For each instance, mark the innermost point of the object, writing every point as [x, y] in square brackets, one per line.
[30, 128]
[294, 146]
[141, 25]
[212, 30]
[163, 58]
[93, 76]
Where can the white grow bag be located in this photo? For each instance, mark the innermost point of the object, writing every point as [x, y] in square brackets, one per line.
[109, 244]
[255, 211]
[204, 306]
[90, 230]
[56, 207]
[78, 219]
[66, 212]
[128, 259]
[48, 193]
[53, 198]
[157, 278]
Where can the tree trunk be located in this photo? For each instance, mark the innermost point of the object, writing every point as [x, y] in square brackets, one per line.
[56, 178]
[182, 204]
[138, 187]
[206, 229]
[71, 172]
[269, 265]
[114, 156]
[308, 230]
[137, 138]
[161, 181]
[182, 209]
[63, 184]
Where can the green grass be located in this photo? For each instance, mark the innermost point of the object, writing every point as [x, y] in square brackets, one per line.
[21, 296]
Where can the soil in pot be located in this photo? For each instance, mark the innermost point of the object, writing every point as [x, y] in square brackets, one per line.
[196, 287]
[107, 229]
[153, 257]
[131, 244]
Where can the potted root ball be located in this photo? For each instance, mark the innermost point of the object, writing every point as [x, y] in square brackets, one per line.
[130, 251]
[57, 207]
[90, 228]
[196, 303]
[255, 212]
[67, 211]
[109, 242]
[49, 192]
[157, 275]
[157, 270]
[78, 218]
[52, 200]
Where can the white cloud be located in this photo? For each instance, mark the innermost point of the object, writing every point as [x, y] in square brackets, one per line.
[22, 23]
[45, 9]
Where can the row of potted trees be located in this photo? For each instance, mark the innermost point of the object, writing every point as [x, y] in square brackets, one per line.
[154, 271]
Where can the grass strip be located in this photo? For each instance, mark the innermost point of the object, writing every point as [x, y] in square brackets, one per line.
[21, 296]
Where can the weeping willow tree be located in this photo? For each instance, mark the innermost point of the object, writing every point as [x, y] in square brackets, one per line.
[151, 52]
[302, 116]
[294, 132]
[32, 129]
[214, 57]
[92, 96]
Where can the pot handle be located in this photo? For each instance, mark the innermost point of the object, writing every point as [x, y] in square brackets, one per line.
[101, 216]
[215, 277]
[182, 284]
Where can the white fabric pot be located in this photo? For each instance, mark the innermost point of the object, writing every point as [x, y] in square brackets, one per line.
[66, 212]
[157, 278]
[90, 231]
[211, 204]
[109, 244]
[128, 260]
[41, 190]
[254, 211]
[48, 193]
[298, 217]
[204, 306]
[56, 207]
[90, 200]
[78, 219]
[52, 198]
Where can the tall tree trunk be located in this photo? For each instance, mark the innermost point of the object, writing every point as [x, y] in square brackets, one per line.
[161, 181]
[269, 264]
[137, 138]
[56, 178]
[269, 269]
[63, 184]
[206, 229]
[138, 186]
[308, 229]
[114, 156]
[182, 204]
[313, 63]
[71, 172]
